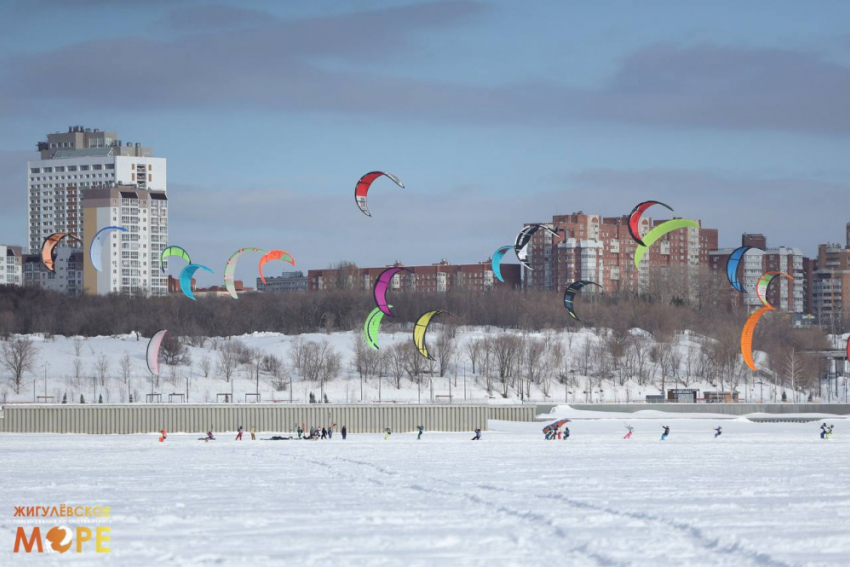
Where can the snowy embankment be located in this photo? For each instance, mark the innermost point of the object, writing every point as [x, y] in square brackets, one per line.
[566, 411]
[759, 495]
[114, 368]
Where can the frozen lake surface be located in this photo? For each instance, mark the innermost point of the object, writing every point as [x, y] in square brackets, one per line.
[761, 494]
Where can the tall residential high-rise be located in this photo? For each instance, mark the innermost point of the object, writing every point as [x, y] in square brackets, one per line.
[782, 293]
[130, 259]
[74, 162]
[600, 249]
[831, 284]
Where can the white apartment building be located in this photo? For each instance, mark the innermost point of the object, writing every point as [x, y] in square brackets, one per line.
[11, 265]
[74, 162]
[68, 277]
[130, 259]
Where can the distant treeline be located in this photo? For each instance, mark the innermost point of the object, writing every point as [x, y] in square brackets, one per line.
[664, 308]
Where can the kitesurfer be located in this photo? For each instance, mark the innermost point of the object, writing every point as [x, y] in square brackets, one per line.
[666, 432]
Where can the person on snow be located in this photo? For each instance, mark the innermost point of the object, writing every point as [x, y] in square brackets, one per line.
[344, 432]
[330, 431]
[253, 434]
[421, 429]
[666, 432]
[829, 431]
[209, 436]
[559, 434]
[477, 435]
[387, 433]
[566, 433]
[300, 432]
[823, 431]
[163, 435]
[239, 433]
[719, 430]
[629, 433]
[324, 433]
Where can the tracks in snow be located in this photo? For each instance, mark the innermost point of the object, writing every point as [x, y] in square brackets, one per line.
[697, 536]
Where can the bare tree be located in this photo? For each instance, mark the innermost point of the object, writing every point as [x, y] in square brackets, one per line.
[446, 345]
[78, 346]
[473, 348]
[536, 365]
[173, 352]
[395, 357]
[205, 366]
[126, 367]
[101, 368]
[507, 350]
[360, 351]
[227, 363]
[78, 372]
[18, 357]
[414, 362]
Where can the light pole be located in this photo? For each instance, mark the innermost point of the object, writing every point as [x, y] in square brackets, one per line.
[464, 383]
[46, 364]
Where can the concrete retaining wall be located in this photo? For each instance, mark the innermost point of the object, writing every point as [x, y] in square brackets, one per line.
[146, 418]
[733, 409]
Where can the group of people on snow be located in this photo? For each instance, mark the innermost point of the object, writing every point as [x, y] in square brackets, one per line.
[555, 433]
[321, 433]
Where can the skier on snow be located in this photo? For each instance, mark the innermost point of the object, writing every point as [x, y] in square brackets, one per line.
[387, 433]
[566, 433]
[630, 430]
[421, 429]
[239, 433]
[477, 435]
[253, 434]
[344, 432]
[330, 431]
[164, 435]
[823, 431]
[666, 432]
[324, 433]
[718, 429]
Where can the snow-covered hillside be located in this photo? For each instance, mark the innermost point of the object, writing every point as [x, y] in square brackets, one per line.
[569, 367]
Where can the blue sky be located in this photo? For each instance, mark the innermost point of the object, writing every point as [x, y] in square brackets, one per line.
[493, 114]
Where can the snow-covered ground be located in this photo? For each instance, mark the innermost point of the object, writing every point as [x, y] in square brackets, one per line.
[761, 494]
[68, 366]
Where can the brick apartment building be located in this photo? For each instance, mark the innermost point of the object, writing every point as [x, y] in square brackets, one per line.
[597, 248]
[794, 297]
[831, 282]
[440, 277]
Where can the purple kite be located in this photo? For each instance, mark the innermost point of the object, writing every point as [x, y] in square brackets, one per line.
[381, 286]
